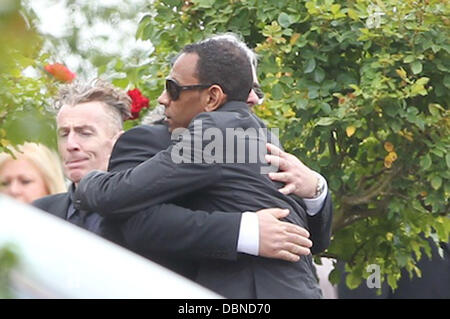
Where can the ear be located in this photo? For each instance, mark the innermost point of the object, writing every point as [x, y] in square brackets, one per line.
[215, 98]
[116, 136]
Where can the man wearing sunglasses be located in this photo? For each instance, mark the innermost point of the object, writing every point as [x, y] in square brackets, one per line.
[217, 78]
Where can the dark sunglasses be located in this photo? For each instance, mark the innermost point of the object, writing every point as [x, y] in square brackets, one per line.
[257, 89]
[174, 89]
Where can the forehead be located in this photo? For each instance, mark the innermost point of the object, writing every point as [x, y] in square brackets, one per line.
[19, 166]
[91, 113]
[184, 69]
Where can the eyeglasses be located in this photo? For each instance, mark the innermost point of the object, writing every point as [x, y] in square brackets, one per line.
[174, 89]
[257, 89]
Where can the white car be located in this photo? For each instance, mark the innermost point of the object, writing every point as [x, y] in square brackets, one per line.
[60, 260]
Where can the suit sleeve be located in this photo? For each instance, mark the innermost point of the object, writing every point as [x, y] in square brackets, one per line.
[167, 228]
[171, 173]
[171, 229]
[40, 203]
[320, 226]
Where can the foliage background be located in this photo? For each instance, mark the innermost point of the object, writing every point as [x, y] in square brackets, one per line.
[359, 90]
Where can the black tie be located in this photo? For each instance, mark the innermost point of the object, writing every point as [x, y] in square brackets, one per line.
[78, 218]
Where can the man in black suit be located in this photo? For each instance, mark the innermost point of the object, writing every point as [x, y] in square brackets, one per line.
[89, 121]
[137, 145]
[208, 86]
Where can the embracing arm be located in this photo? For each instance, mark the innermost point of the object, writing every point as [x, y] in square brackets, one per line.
[300, 181]
[171, 229]
[157, 180]
[320, 226]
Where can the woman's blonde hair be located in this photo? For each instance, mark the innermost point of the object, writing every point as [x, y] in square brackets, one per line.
[44, 159]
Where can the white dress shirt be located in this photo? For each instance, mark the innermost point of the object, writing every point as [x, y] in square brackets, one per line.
[248, 240]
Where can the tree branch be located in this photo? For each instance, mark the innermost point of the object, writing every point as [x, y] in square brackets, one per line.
[372, 192]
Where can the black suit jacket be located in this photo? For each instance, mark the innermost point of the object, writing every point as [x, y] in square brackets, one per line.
[203, 235]
[58, 205]
[169, 234]
[199, 230]
[212, 186]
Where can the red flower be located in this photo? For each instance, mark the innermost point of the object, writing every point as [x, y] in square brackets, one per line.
[60, 72]
[139, 102]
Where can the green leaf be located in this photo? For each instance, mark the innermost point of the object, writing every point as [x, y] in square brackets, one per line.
[422, 81]
[326, 108]
[447, 81]
[437, 152]
[277, 91]
[425, 162]
[313, 94]
[284, 20]
[335, 8]
[310, 65]
[419, 87]
[391, 110]
[402, 259]
[326, 121]
[174, 3]
[435, 109]
[319, 75]
[353, 14]
[409, 58]
[353, 281]
[301, 103]
[416, 67]
[201, 3]
[436, 182]
[447, 160]
[392, 281]
[335, 276]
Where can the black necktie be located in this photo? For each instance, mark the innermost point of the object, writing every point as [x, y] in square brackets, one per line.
[78, 218]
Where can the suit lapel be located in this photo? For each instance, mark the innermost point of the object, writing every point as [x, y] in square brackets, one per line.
[61, 206]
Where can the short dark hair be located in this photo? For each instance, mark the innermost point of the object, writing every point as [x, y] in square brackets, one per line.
[224, 63]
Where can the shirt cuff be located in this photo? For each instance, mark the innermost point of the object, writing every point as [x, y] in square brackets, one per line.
[314, 205]
[248, 240]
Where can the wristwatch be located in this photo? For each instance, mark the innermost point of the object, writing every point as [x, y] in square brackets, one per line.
[320, 186]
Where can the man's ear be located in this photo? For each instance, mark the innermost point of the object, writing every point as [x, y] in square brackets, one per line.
[116, 136]
[215, 98]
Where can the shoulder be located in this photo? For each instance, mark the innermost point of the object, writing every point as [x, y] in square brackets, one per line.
[156, 136]
[145, 132]
[45, 202]
[137, 145]
[231, 115]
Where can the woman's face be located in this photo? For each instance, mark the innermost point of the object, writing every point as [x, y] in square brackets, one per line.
[22, 180]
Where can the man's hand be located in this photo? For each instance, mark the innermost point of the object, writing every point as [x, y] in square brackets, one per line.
[281, 240]
[297, 177]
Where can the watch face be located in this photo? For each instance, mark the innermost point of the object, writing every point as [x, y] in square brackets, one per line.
[320, 187]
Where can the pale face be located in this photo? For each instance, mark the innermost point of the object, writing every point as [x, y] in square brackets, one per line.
[86, 137]
[22, 180]
[179, 113]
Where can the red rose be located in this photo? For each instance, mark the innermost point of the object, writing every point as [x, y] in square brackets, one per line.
[139, 102]
[60, 72]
